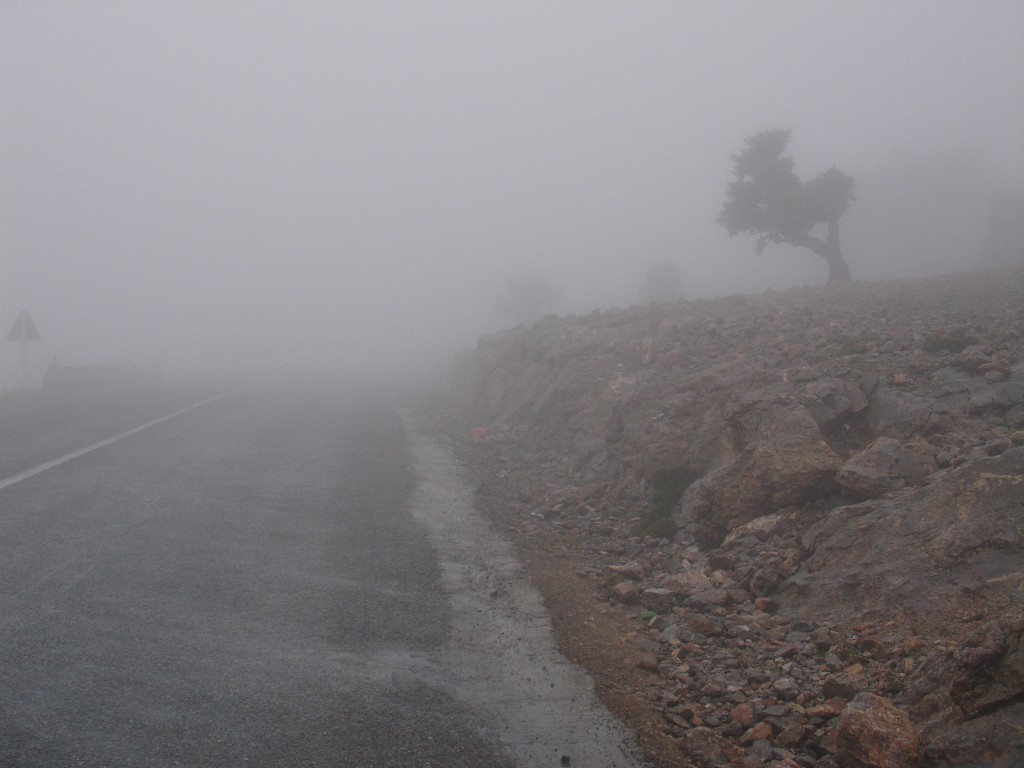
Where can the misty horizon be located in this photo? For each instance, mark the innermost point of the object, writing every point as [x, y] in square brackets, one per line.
[258, 188]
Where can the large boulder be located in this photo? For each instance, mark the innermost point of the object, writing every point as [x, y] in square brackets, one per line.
[830, 400]
[977, 394]
[904, 414]
[995, 740]
[990, 668]
[873, 733]
[782, 461]
[931, 552]
[974, 713]
[885, 465]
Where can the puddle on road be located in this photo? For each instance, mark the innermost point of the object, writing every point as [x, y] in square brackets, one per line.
[501, 655]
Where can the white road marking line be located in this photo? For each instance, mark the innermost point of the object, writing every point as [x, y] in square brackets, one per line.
[103, 443]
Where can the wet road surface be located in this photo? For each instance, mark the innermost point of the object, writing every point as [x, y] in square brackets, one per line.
[246, 584]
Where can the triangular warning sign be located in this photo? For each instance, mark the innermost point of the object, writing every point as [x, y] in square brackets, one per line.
[24, 329]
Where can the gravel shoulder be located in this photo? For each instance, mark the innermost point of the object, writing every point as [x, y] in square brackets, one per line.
[501, 653]
[598, 636]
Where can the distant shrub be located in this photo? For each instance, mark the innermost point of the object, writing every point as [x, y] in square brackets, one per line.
[954, 341]
[666, 488]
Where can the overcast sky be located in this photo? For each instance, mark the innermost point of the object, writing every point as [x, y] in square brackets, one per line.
[221, 184]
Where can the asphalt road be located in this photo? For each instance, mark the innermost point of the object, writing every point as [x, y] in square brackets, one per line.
[240, 585]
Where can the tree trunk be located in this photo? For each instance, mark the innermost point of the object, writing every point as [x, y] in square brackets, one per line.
[838, 270]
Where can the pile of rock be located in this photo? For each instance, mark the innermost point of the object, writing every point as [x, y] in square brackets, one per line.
[737, 664]
[847, 576]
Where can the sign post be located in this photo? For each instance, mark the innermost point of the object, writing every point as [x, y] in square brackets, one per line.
[24, 330]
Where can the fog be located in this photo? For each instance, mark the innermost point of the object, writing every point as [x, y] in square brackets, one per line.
[258, 188]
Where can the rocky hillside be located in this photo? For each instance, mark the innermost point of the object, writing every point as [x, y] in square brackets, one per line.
[811, 503]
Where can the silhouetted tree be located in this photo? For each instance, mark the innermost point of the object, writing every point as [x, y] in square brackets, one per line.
[661, 283]
[527, 299]
[767, 199]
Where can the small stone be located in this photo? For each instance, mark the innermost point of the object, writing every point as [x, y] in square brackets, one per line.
[840, 686]
[660, 623]
[742, 714]
[626, 591]
[657, 599]
[827, 742]
[690, 582]
[705, 747]
[766, 604]
[765, 581]
[757, 733]
[821, 638]
[669, 634]
[793, 735]
[760, 527]
[761, 751]
[830, 708]
[705, 625]
[633, 570]
[708, 598]
[649, 662]
[786, 688]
